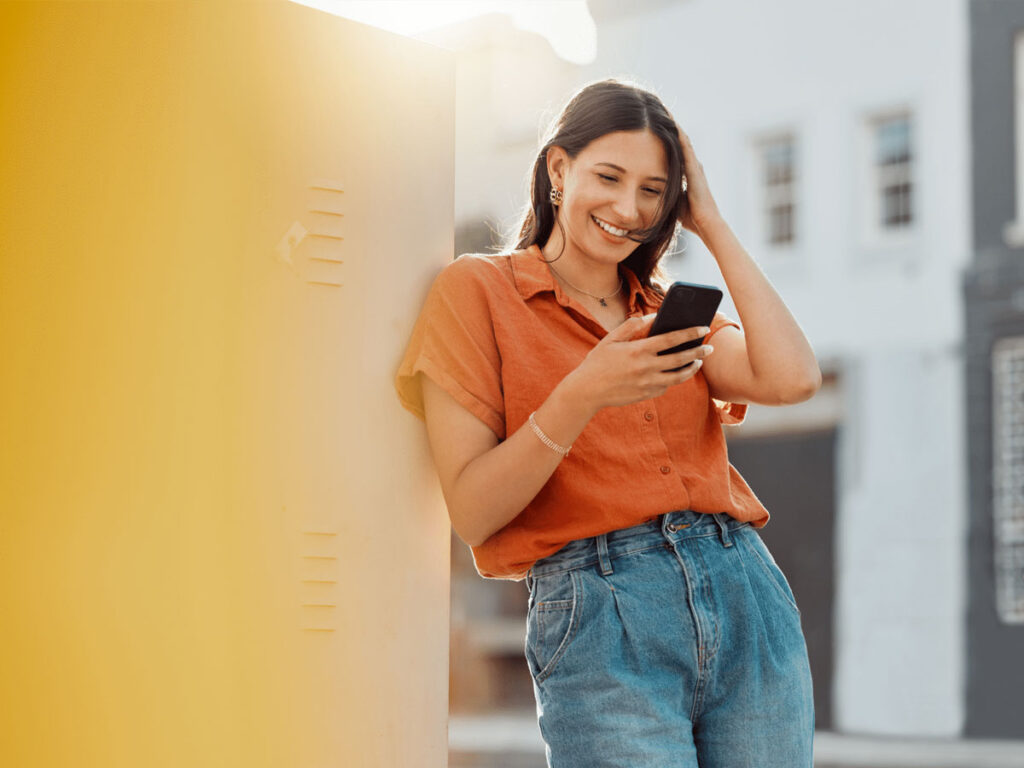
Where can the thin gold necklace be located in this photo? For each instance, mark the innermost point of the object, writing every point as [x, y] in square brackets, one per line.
[599, 298]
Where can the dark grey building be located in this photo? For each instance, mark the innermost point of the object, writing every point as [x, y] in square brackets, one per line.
[994, 303]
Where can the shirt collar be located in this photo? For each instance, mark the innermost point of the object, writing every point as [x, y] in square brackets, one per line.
[532, 276]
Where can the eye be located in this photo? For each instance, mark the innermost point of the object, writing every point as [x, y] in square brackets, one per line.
[649, 190]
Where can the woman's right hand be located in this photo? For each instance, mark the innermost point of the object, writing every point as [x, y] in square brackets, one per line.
[624, 367]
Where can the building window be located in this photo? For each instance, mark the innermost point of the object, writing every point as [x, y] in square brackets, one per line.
[1013, 232]
[893, 172]
[778, 182]
[1008, 477]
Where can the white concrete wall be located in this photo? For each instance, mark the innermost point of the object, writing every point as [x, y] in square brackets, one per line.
[891, 315]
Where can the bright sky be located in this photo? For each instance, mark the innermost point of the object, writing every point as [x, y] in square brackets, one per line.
[567, 24]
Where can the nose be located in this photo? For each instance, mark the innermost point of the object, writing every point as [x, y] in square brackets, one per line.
[627, 210]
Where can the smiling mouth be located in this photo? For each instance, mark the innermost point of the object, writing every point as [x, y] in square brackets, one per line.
[614, 231]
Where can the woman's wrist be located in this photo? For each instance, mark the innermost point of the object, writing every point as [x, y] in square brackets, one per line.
[573, 396]
[712, 229]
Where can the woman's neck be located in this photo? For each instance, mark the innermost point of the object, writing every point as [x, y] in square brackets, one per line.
[583, 273]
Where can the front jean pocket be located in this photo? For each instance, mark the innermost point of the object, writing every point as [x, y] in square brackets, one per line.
[552, 619]
[764, 558]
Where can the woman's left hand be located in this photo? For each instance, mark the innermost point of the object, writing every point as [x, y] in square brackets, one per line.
[698, 207]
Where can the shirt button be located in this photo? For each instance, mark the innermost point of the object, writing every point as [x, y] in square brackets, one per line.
[648, 415]
[665, 470]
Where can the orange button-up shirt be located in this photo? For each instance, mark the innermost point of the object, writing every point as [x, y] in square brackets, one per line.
[498, 333]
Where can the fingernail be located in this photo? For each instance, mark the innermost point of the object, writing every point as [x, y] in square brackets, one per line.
[708, 349]
[705, 331]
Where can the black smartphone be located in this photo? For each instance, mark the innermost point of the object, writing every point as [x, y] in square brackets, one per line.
[686, 305]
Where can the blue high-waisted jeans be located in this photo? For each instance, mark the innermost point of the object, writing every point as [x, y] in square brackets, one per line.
[676, 643]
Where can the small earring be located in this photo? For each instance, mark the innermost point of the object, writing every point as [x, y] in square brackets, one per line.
[684, 182]
[556, 196]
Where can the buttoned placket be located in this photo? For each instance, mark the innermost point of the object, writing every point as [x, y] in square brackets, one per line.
[648, 414]
[650, 428]
[583, 316]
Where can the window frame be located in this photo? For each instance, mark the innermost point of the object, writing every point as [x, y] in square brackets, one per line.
[880, 178]
[768, 196]
[1013, 231]
[1007, 366]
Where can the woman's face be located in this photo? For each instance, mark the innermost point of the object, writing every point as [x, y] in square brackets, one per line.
[618, 179]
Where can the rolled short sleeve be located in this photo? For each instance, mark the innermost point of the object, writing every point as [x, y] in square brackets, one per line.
[728, 413]
[453, 343]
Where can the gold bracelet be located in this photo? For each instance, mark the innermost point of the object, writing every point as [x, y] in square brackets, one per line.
[545, 439]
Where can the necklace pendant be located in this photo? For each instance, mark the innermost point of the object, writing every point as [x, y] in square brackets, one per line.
[603, 302]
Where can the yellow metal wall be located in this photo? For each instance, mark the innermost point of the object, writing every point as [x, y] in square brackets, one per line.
[221, 540]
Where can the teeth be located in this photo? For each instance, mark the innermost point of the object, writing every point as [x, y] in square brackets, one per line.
[610, 228]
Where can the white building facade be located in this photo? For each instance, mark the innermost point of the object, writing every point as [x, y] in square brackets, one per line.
[835, 139]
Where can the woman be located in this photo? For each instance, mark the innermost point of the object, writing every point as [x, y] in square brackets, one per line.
[660, 631]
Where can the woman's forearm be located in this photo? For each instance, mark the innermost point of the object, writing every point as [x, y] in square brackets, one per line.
[778, 350]
[498, 485]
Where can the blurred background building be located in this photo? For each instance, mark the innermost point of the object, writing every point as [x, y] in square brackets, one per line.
[994, 372]
[870, 156]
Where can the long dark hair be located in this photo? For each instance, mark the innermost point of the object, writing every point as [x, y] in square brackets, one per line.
[597, 109]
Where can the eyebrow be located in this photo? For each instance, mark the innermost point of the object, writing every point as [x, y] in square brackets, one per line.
[623, 170]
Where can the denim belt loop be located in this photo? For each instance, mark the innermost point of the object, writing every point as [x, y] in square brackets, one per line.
[722, 519]
[602, 554]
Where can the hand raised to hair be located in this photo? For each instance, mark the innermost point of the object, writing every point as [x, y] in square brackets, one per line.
[698, 208]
